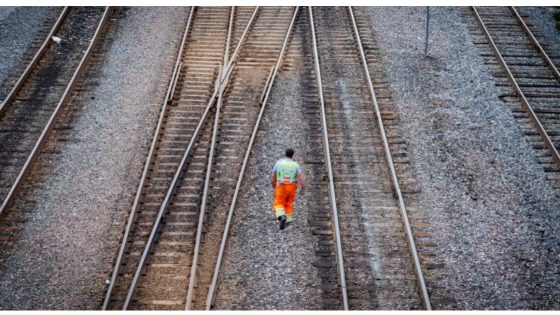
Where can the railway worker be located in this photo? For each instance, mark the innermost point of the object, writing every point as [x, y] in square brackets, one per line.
[286, 176]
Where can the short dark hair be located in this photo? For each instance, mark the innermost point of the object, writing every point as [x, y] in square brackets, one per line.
[290, 152]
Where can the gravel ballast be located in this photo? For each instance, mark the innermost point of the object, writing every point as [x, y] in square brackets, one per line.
[19, 27]
[265, 268]
[5, 11]
[65, 251]
[544, 27]
[493, 215]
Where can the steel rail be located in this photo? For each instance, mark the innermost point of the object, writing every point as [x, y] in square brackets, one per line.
[233, 58]
[394, 178]
[228, 40]
[536, 42]
[50, 124]
[547, 141]
[332, 194]
[192, 278]
[194, 263]
[263, 94]
[140, 190]
[33, 62]
[219, 87]
[170, 192]
[263, 100]
[173, 87]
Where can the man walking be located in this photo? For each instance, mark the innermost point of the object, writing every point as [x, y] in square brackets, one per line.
[286, 176]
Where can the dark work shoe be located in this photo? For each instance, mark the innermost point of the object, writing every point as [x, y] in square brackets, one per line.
[282, 219]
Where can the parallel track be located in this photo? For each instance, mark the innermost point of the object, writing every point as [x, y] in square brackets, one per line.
[201, 58]
[165, 280]
[366, 262]
[331, 261]
[240, 111]
[33, 101]
[377, 263]
[33, 107]
[519, 61]
[179, 213]
[299, 59]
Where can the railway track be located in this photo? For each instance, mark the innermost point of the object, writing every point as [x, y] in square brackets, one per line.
[378, 262]
[299, 59]
[330, 260]
[367, 256]
[199, 61]
[33, 108]
[34, 47]
[169, 249]
[341, 222]
[241, 109]
[518, 60]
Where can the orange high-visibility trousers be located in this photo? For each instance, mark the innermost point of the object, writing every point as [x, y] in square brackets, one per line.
[284, 197]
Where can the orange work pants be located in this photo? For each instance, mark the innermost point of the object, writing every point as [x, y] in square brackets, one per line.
[284, 197]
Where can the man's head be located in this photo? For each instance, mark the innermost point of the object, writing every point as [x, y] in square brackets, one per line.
[290, 153]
